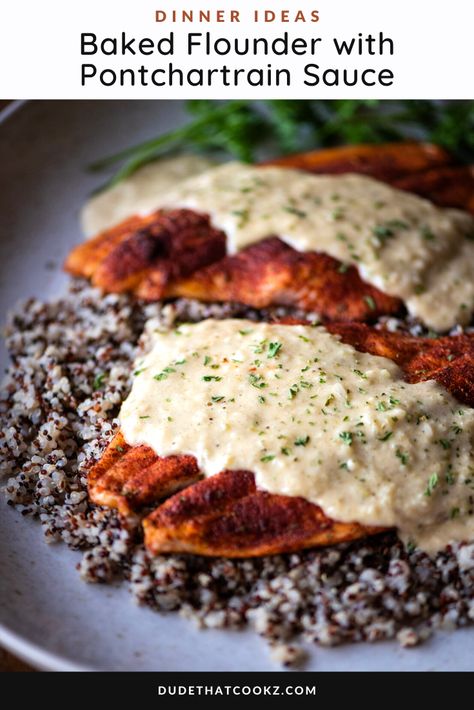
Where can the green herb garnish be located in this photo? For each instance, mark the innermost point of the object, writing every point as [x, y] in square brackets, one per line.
[164, 374]
[293, 391]
[402, 456]
[433, 481]
[301, 441]
[274, 349]
[98, 382]
[294, 210]
[256, 380]
[241, 128]
[370, 302]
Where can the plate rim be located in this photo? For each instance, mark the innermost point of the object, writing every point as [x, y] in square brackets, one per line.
[11, 108]
[12, 642]
[35, 655]
[15, 642]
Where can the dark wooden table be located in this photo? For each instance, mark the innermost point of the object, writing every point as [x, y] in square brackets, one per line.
[11, 664]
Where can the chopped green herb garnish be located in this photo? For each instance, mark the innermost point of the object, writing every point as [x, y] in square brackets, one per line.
[260, 347]
[427, 233]
[257, 380]
[266, 459]
[301, 441]
[433, 481]
[98, 382]
[244, 216]
[346, 437]
[386, 436]
[293, 391]
[274, 349]
[450, 478]
[294, 210]
[164, 374]
[211, 378]
[370, 302]
[382, 233]
[388, 229]
[402, 456]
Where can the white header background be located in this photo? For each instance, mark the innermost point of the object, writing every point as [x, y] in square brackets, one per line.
[433, 58]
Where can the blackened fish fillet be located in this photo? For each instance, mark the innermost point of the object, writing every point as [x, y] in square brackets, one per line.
[145, 255]
[225, 514]
[272, 273]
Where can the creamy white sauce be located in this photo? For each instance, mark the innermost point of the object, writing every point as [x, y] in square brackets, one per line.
[404, 245]
[311, 417]
[401, 243]
[140, 193]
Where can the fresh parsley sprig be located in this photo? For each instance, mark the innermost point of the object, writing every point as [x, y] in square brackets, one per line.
[241, 129]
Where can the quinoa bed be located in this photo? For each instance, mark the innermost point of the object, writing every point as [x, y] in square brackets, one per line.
[71, 367]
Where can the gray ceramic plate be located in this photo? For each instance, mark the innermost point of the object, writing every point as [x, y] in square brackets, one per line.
[48, 616]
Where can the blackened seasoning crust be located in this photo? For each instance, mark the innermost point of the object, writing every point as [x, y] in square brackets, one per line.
[71, 368]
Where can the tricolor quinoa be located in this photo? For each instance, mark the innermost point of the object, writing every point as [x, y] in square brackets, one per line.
[71, 366]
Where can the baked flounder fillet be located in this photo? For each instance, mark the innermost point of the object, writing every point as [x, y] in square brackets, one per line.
[421, 168]
[145, 255]
[221, 515]
[177, 252]
[226, 514]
